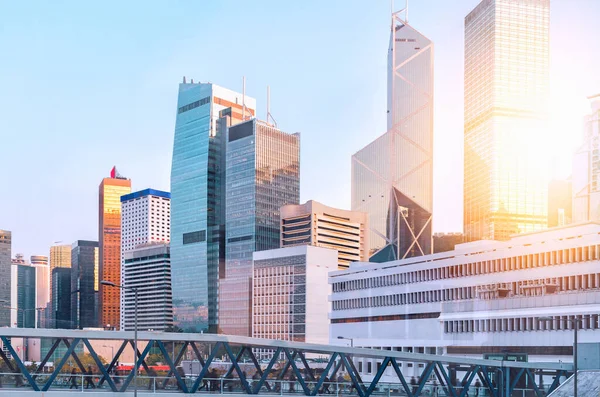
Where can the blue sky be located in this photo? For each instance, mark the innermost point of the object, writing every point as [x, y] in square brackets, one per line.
[88, 85]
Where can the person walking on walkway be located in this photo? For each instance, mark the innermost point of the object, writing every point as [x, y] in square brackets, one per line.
[73, 379]
[88, 378]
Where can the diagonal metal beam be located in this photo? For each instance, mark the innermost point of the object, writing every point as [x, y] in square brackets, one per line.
[7, 361]
[286, 366]
[75, 356]
[146, 368]
[442, 375]
[19, 363]
[177, 361]
[172, 365]
[61, 364]
[238, 357]
[471, 375]
[556, 381]
[100, 366]
[205, 367]
[378, 376]
[296, 372]
[356, 372]
[514, 382]
[197, 353]
[424, 377]
[140, 359]
[113, 362]
[309, 371]
[358, 386]
[235, 364]
[535, 386]
[47, 357]
[256, 366]
[401, 377]
[265, 374]
[487, 381]
[324, 375]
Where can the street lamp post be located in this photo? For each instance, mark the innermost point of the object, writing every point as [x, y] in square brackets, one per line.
[575, 321]
[135, 329]
[350, 339]
[112, 351]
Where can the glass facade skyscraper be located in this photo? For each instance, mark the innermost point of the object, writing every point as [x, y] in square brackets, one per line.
[109, 239]
[262, 175]
[84, 284]
[204, 111]
[506, 91]
[392, 176]
[26, 296]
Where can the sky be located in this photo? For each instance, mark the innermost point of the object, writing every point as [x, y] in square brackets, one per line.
[88, 85]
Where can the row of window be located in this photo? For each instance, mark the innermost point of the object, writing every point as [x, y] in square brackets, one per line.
[536, 287]
[554, 323]
[527, 261]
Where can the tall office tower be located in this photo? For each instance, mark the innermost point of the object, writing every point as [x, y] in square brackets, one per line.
[145, 218]
[60, 302]
[26, 295]
[392, 177]
[586, 169]
[5, 277]
[506, 91]
[84, 284]
[42, 279]
[60, 256]
[197, 205]
[147, 268]
[19, 259]
[263, 174]
[560, 202]
[109, 239]
[313, 223]
[444, 242]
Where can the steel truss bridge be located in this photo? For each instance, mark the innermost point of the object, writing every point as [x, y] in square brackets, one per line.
[229, 364]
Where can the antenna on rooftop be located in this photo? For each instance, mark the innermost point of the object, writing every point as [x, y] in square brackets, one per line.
[269, 115]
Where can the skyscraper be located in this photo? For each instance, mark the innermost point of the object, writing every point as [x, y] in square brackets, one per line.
[506, 91]
[147, 267]
[109, 239]
[392, 176]
[560, 202]
[84, 284]
[42, 280]
[586, 168]
[262, 175]
[60, 303]
[60, 256]
[5, 277]
[26, 295]
[145, 261]
[197, 207]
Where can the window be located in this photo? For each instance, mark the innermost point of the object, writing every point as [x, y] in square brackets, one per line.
[194, 237]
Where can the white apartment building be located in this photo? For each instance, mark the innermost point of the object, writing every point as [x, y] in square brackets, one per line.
[290, 293]
[313, 223]
[145, 220]
[483, 297]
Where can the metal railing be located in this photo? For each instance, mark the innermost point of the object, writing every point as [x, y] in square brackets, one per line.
[285, 368]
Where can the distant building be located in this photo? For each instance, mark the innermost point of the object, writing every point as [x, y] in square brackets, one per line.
[5, 277]
[313, 223]
[42, 279]
[291, 293]
[60, 256]
[147, 268]
[109, 239]
[198, 204]
[506, 95]
[26, 295]
[443, 242]
[84, 284]
[392, 177]
[146, 219]
[60, 316]
[586, 169]
[262, 175]
[560, 202]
